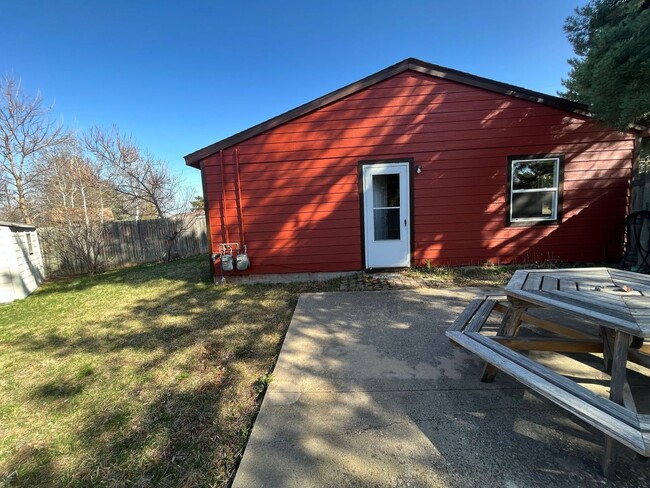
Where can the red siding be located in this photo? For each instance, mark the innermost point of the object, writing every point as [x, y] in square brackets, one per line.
[299, 180]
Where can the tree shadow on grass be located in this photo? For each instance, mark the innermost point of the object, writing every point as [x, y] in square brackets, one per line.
[179, 440]
[58, 389]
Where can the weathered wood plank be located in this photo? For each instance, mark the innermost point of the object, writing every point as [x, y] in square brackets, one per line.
[644, 326]
[602, 299]
[608, 347]
[640, 313]
[533, 282]
[582, 301]
[547, 374]
[518, 279]
[637, 302]
[620, 274]
[596, 411]
[628, 398]
[638, 357]
[600, 271]
[509, 327]
[482, 314]
[640, 287]
[546, 344]
[644, 422]
[579, 310]
[550, 283]
[555, 327]
[568, 285]
[616, 388]
[464, 317]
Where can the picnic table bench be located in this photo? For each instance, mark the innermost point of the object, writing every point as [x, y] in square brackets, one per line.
[612, 310]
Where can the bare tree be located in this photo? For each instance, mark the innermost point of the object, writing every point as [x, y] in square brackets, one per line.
[75, 196]
[135, 174]
[26, 130]
[146, 181]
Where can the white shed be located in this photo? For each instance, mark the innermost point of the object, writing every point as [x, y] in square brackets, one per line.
[21, 264]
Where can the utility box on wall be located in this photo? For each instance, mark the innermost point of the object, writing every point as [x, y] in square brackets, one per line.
[21, 264]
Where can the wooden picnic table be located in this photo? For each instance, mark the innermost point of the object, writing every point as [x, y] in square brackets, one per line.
[615, 304]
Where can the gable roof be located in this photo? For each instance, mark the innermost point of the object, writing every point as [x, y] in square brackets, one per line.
[412, 64]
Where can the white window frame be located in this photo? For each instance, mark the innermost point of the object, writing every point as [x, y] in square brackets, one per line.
[555, 189]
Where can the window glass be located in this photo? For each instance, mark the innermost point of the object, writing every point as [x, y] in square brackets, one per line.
[385, 191]
[387, 224]
[527, 175]
[533, 205]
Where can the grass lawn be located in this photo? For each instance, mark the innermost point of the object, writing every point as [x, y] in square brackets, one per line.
[148, 376]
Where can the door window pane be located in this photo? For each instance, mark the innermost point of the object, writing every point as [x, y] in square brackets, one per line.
[387, 224]
[385, 190]
[533, 205]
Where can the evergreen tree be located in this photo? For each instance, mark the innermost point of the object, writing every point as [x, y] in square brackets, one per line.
[611, 73]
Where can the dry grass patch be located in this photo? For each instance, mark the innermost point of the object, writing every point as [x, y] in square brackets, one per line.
[484, 275]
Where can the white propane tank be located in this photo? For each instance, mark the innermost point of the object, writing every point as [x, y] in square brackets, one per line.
[243, 263]
[226, 262]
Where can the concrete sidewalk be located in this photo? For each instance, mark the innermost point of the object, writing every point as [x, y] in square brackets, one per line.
[367, 391]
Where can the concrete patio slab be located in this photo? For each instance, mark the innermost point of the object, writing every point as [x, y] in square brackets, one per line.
[367, 391]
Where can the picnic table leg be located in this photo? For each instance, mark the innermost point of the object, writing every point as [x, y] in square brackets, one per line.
[509, 327]
[608, 348]
[616, 388]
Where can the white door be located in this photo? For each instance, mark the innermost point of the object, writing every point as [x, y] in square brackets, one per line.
[387, 215]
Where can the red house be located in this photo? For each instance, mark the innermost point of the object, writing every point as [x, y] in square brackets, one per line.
[418, 163]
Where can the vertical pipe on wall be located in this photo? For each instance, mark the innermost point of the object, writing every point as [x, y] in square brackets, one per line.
[225, 205]
[241, 208]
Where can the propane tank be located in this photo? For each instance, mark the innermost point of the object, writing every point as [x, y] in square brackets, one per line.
[242, 263]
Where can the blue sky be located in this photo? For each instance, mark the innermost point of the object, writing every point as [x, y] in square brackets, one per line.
[181, 75]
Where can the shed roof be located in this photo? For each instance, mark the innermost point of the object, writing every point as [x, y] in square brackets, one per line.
[20, 226]
[412, 64]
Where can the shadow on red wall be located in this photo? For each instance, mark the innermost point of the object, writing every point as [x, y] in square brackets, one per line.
[299, 185]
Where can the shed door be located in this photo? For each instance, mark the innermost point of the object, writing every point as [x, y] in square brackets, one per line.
[387, 215]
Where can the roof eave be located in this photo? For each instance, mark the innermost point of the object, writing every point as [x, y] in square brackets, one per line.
[17, 225]
[193, 159]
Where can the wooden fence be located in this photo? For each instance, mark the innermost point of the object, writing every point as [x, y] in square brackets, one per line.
[127, 242]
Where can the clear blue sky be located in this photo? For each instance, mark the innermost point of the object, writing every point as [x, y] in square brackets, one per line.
[181, 75]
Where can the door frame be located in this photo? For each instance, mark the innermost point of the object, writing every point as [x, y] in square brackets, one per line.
[362, 209]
